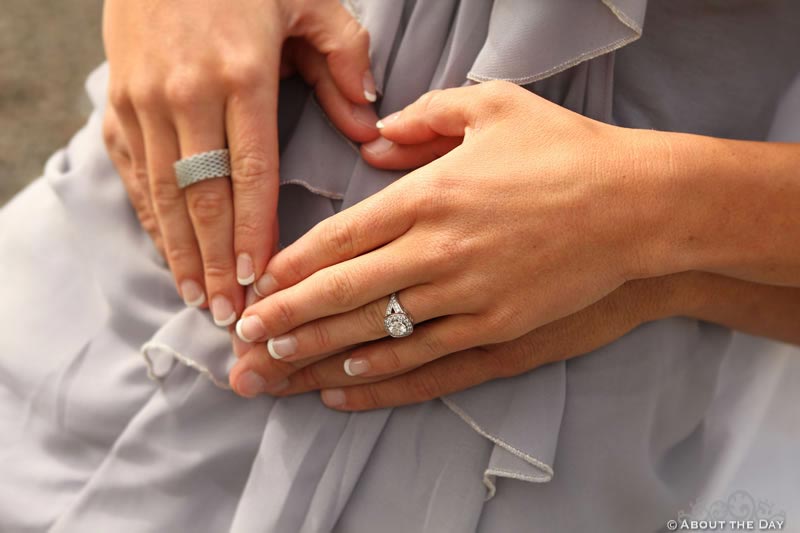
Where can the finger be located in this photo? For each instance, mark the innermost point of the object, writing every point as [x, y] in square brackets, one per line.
[443, 376]
[356, 121]
[345, 43]
[577, 334]
[439, 113]
[361, 325]
[390, 357]
[257, 373]
[334, 290]
[365, 226]
[252, 129]
[200, 128]
[383, 153]
[180, 244]
[125, 145]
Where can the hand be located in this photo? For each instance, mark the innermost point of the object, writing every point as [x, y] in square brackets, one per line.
[188, 77]
[532, 218]
[633, 304]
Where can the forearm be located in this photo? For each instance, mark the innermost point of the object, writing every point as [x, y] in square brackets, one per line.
[721, 206]
[762, 310]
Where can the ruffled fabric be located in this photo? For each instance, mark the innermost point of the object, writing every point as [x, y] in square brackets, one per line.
[113, 448]
[466, 40]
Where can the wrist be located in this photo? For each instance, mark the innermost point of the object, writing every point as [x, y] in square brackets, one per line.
[677, 206]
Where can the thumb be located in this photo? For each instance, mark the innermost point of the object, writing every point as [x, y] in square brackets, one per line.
[335, 33]
[440, 113]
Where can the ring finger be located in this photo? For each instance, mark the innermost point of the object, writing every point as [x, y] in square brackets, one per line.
[180, 245]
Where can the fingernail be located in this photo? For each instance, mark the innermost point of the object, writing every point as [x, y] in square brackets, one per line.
[356, 367]
[244, 269]
[250, 384]
[192, 293]
[250, 296]
[387, 120]
[265, 286]
[282, 346]
[281, 385]
[369, 87]
[378, 146]
[364, 115]
[250, 328]
[333, 397]
[222, 311]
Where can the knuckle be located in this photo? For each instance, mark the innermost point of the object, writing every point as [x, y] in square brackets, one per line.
[390, 360]
[498, 322]
[245, 73]
[503, 363]
[283, 314]
[247, 231]
[432, 345]
[338, 288]
[370, 319]
[321, 335]
[119, 97]
[183, 92]
[217, 268]
[369, 398]
[312, 378]
[180, 255]
[424, 386]
[207, 204]
[146, 96]
[430, 100]
[250, 168]
[165, 194]
[340, 238]
[355, 35]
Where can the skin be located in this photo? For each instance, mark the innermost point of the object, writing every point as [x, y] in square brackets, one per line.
[749, 307]
[177, 89]
[589, 214]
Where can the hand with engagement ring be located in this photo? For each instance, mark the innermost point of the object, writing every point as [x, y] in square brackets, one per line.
[469, 277]
[193, 102]
[522, 232]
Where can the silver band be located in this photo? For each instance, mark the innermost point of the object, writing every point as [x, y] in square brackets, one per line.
[397, 322]
[199, 167]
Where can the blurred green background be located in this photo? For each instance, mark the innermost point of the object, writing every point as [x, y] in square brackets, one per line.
[47, 48]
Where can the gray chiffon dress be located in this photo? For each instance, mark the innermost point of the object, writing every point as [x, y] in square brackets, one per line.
[115, 413]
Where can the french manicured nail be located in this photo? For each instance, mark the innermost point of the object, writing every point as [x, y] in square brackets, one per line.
[356, 367]
[250, 384]
[265, 286]
[378, 146]
[192, 293]
[282, 346]
[250, 328]
[222, 311]
[333, 397]
[369, 87]
[244, 269]
[387, 120]
[365, 115]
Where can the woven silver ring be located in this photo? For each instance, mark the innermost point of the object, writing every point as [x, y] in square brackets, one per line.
[397, 322]
[203, 166]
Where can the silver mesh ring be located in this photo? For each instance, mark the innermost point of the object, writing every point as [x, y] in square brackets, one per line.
[199, 167]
